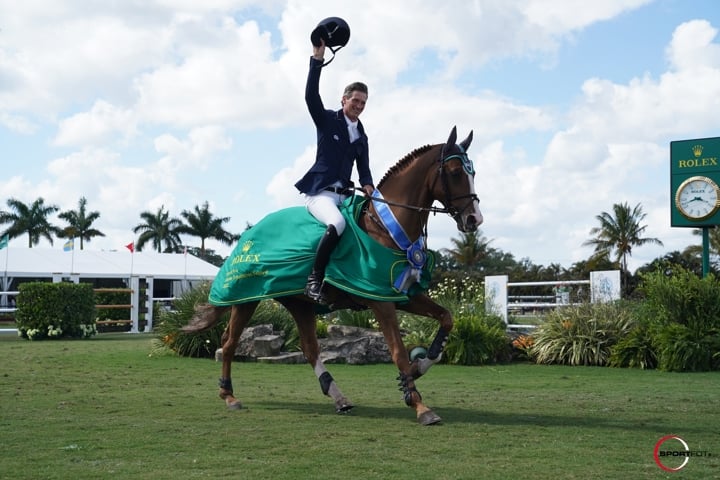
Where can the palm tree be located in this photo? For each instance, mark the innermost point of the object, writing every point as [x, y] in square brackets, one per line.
[80, 223]
[159, 229]
[31, 219]
[203, 224]
[469, 249]
[620, 232]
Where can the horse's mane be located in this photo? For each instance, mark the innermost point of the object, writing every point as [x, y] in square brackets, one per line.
[404, 162]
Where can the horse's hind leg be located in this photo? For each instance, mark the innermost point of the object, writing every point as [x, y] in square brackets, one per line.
[304, 314]
[239, 318]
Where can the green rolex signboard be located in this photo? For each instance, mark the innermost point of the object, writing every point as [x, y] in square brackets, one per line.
[695, 182]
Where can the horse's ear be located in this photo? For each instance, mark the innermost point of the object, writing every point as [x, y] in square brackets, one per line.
[453, 137]
[465, 144]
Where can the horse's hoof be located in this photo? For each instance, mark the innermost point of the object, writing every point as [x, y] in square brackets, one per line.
[234, 405]
[429, 418]
[343, 407]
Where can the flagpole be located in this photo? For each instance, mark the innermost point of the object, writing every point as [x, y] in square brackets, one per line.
[6, 245]
[7, 258]
[185, 273]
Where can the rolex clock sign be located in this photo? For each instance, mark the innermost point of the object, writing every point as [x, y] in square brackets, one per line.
[695, 182]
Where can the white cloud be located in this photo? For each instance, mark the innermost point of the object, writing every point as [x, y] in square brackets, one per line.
[564, 15]
[692, 48]
[193, 153]
[98, 126]
[17, 123]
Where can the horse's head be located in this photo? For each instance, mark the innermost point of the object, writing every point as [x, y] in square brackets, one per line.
[457, 184]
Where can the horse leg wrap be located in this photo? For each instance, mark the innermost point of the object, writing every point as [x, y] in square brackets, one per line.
[438, 345]
[407, 386]
[226, 384]
[325, 380]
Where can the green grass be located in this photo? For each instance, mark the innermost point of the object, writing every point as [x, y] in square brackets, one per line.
[104, 408]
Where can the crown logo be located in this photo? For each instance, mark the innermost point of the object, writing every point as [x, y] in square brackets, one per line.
[247, 246]
[697, 150]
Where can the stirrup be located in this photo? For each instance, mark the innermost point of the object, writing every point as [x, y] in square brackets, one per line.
[313, 289]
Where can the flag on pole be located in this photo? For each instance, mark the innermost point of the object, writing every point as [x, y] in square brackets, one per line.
[69, 245]
[130, 246]
[4, 241]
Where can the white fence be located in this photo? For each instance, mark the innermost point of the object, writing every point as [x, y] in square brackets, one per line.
[604, 286]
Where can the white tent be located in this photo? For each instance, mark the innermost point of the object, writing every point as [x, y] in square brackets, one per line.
[48, 262]
[179, 271]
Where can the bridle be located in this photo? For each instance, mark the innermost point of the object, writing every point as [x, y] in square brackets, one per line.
[443, 176]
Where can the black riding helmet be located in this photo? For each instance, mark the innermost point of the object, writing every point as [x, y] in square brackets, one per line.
[334, 30]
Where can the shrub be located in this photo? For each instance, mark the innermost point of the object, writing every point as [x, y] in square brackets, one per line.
[680, 349]
[683, 312]
[581, 334]
[635, 350]
[55, 310]
[355, 318]
[477, 340]
[418, 330]
[169, 323]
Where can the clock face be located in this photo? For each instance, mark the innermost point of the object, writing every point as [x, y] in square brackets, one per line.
[697, 198]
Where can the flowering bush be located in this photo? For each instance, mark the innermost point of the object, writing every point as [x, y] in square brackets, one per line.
[522, 346]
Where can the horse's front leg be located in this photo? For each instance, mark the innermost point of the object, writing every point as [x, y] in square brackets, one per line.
[239, 318]
[421, 304]
[386, 315]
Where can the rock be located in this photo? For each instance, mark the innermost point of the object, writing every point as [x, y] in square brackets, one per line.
[268, 345]
[344, 344]
[257, 341]
[354, 345]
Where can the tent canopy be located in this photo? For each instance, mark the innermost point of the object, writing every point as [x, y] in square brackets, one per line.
[48, 262]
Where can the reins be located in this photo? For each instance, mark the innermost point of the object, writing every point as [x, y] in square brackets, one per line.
[409, 207]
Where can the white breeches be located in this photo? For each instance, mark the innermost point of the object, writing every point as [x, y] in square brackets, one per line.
[324, 207]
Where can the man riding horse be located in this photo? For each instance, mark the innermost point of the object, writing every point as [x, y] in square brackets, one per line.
[341, 142]
[380, 263]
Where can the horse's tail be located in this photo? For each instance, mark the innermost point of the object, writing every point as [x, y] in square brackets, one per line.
[205, 317]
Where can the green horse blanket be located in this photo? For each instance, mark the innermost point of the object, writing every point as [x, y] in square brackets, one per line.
[274, 257]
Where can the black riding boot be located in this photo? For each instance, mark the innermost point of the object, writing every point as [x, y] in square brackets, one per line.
[327, 244]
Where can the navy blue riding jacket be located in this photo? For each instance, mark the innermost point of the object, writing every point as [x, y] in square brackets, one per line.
[335, 154]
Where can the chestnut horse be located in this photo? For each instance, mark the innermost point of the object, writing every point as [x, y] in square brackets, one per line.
[441, 172]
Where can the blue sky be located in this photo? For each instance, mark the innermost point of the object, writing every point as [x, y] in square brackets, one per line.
[137, 105]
